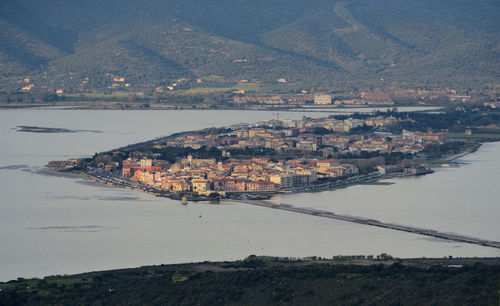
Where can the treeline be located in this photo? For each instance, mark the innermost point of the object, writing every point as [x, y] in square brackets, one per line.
[438, 150]
[453, 121]
[21, 97]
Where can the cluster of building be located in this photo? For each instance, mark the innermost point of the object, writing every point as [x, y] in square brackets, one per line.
[259, 174]
[304, 150]
[273, 100]
[407, 142]
[118, 82]
[205, 176]
[27, 85]
[285, 136]
[366, 98]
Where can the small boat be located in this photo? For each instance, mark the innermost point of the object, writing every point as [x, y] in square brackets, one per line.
[445, 165]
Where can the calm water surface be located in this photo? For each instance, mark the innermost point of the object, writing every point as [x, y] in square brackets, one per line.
[57, 225]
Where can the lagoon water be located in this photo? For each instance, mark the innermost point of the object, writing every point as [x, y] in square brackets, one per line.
[58, 225]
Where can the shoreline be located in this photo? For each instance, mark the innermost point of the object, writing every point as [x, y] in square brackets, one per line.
[451, 158]
[370, 179]
[153, 107]
[466, 152]
[226, 266]
[268, 280]
[330, 186]
[259, 198]
[314, 212]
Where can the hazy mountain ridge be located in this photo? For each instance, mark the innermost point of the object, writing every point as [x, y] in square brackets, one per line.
[324, 43]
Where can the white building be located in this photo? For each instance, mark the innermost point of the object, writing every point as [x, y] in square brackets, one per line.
[322, 99]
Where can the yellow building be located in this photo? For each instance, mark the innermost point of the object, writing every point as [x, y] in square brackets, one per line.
[200, 185]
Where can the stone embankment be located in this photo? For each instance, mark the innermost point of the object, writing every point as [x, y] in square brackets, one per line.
[365, 221]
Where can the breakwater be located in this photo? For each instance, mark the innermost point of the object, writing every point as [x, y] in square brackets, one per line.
[372, 222]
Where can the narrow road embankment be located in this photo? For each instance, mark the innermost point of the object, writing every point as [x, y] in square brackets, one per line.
[371, 222]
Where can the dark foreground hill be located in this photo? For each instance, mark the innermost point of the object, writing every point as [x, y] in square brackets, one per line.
[82, 45]
[272, 281]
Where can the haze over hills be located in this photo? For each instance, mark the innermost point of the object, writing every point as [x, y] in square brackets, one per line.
[81, 45]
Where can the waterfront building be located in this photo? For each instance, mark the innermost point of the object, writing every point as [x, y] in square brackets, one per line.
[200, 185]
[260, 186]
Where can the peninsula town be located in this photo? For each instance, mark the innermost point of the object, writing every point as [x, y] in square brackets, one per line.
[256, 160]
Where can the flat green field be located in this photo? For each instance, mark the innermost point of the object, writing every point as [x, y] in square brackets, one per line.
[100, 95]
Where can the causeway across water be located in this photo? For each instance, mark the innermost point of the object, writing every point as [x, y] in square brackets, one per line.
[365, 221]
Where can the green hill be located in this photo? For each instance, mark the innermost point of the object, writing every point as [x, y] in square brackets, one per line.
[82, 45]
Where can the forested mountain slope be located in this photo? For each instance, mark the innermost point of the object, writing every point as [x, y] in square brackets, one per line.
[81, 45]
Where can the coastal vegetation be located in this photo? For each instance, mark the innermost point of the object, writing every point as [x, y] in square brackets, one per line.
[346, 280]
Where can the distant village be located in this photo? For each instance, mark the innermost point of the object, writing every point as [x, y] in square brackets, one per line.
[317, 99]
[214, 91]
[274, 155]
